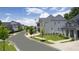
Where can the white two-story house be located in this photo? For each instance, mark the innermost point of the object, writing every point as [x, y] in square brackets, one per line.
[52, 24]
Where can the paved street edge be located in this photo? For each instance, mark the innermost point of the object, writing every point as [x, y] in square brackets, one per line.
[17, 49]
[40, 42]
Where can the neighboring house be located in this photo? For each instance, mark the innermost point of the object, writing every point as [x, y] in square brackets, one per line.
[72, 28]
[13, 26]
[38, 27]
[52, 24]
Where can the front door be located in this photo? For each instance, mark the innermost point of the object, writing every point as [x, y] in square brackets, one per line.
[67, 32]
[78, 33]
[71, 33]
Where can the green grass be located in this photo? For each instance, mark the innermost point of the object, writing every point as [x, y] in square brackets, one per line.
[54, 37]
[42, 41]
[8, 47]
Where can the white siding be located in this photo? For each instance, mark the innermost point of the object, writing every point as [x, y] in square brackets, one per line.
[53, 24]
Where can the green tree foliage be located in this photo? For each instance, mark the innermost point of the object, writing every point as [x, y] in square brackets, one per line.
[20, 28]
[26, 28]
[4, 34]
[66, 16]
[0, 22]
[42, 31]
[74, 11]
[31, 30]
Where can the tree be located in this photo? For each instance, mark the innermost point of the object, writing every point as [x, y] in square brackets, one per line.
[31, 30]
[42, 32]
[26, 28]
[74, 11]
[4, 34]
[20, 28]
[0, 22]
[66, 16]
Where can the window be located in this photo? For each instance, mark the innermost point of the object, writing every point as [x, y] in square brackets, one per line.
[69, 24]
[77, 21]
[58, 28]
[38, 24]
[51, 28]
[72, 24]
[55, 23]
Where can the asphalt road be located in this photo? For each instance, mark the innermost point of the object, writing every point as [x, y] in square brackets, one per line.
[24, 44]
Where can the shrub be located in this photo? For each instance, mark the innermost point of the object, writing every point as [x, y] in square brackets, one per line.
[61, 35]
[43, 40]
[4, 34]
[66, 37]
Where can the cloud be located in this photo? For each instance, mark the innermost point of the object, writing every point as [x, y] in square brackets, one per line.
[27, 21]
[44, 8]
[44, 15]
[34, 10]
[58, 9]
[62, 9]
[61, 13]
[7, 19]
[24, 21]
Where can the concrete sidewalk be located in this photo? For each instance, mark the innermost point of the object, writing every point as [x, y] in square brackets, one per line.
[68, 46]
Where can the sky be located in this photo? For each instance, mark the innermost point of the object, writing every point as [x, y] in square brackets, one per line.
[30, 15]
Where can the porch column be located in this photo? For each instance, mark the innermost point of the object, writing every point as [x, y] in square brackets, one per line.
[69, 33]
[75, 34]
[64, 33]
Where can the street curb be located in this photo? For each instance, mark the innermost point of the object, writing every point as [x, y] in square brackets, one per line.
[14, 45]
[17, 49]
[40, 42]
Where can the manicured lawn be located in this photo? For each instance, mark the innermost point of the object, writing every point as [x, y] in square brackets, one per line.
[54, 37]
[8, 47]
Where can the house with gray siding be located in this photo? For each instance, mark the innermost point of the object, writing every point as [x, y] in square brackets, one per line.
[72, 28]
[52, 24]
[13, 26]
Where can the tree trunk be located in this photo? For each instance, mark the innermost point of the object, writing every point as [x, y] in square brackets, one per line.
[3, 45]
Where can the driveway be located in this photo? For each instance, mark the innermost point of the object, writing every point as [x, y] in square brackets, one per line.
[68, 46]
[25, 44]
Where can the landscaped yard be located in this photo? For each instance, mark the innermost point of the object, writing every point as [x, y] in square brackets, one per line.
[8, 47]
[51, 38]
[54, 37]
